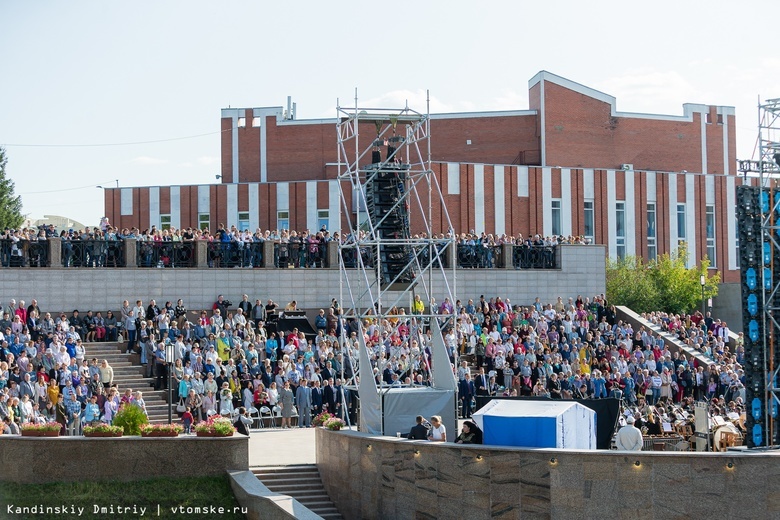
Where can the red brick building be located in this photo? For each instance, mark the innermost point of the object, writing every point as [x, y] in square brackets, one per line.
[571, 164]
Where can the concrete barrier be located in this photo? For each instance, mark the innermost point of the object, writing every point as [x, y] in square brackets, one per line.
[384, 477]
[43, 459]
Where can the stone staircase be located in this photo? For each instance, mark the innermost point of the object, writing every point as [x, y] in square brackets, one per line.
[129, 374]
[301, 482]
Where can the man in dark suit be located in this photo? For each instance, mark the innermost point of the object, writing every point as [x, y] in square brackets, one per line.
[328, 397]
[316, 398]
[418, 431]
[482, 383]
[466, 393]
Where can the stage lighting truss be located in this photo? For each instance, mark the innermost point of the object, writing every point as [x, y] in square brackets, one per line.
[374, 145]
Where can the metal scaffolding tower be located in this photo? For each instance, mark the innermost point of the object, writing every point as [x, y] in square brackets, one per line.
[390, 254]
[765, 401]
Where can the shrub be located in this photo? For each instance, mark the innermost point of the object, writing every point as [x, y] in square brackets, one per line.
[322, 418]
[166, 428]
[41, 427]
[102, 428]
[130, 418]
[334, 423]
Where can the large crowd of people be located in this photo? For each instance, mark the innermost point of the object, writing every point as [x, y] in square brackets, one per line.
[234, 355]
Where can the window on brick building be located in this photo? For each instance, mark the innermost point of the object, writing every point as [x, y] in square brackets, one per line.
[588, 219]
[620, 229]
[204, 221]
[710, 224]
[243, 220]
[652, 249]
[165, 222]
[282, 220]
[681, 220]
[323, 218]
[556, 216]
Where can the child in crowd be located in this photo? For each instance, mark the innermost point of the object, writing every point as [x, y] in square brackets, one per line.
[187, 419]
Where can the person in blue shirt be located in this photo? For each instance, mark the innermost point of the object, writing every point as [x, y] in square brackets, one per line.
[91, 411]
[73, 407]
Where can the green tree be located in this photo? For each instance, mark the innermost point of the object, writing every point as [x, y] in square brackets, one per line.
[629, 283]
[10, 204]
[665, 284]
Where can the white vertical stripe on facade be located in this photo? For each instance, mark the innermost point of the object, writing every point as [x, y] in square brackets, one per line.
[126, 204]
[703, 144]
[232, 205]
[673, 213]
[334, 207]
[709, 186]
[522, 181]
[566, 200]
[546, 201]
[453, 179]
[154, 206]
[630, 214]
[479, 198]
[542, 118]
[204, 199]
[726, 169]
[650, 187]
[612, 214]
[690, 217]
[588, 186]
[282, 196]
[498, 190]
[311, 205]
[234, 138]
[731, 220]
[254, 206]
[176, 206]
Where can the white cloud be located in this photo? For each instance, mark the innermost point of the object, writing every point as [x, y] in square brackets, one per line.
[208, 160]
[148, 161]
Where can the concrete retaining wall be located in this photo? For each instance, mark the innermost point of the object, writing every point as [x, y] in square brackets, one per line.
[384, 477]
[41, 459]
[582, 272]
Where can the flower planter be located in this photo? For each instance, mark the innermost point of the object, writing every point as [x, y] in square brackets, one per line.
[103, 434]
[213, 434]
[40, 433]
[159, 434]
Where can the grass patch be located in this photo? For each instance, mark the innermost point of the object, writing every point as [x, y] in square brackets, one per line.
[186, 493]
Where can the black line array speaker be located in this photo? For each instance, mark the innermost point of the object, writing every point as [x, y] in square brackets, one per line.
[385, 187]
[759, 267]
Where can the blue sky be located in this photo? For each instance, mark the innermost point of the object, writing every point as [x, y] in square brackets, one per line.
[96, 72]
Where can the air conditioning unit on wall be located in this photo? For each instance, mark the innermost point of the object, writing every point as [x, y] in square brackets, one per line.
[627, 166]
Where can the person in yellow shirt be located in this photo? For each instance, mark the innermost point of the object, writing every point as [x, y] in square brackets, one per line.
[418, 306]
[53, 391]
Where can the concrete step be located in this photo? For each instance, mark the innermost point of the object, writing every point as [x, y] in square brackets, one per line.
[302, 482]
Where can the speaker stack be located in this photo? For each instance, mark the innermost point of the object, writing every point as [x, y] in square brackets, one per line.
[385, 187]
[759, 265]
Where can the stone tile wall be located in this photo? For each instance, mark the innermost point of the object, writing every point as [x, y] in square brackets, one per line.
[583, 272]
[42, 459]
[416, 479]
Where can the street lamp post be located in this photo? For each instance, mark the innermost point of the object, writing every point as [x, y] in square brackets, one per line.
[168, 365]
[703, 282]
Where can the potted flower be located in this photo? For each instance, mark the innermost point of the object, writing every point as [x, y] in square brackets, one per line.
[48, 429]
[103, 430]
[322, 418]
[161, 430]
[215, 426]
[334, 423]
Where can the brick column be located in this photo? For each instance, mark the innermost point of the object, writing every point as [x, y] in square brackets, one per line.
[131, 245]
[55, 252]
